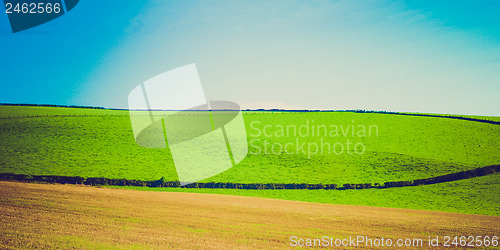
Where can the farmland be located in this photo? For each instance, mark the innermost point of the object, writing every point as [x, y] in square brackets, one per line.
[100, 143]
[71, 216]
[473, 196]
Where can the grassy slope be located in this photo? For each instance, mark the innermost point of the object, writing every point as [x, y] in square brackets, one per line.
[406, 148]
[102, 145]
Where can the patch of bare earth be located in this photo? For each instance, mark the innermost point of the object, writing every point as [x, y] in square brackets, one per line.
[45, 215]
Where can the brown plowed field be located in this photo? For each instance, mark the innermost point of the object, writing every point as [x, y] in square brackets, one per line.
[48, 216]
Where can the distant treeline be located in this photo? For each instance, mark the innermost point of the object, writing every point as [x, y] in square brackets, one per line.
[280, 110]
[427, 115]
[163, 183]
[53, 116]
[290, 111]
[384, 112]
[50, 105]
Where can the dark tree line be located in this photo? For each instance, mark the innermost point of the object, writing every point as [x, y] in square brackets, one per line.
[282, 110]
[49, 105]
[256, 186]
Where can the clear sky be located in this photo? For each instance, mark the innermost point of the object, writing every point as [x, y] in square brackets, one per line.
[424, 56]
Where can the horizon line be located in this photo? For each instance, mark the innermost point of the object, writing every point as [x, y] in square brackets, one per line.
[270, 109]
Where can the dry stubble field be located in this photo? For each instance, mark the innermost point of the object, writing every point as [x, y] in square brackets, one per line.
[48, 216]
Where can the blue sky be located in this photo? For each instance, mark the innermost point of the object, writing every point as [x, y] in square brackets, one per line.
[424, 56]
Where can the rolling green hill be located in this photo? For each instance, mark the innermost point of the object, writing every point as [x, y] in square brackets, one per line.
[100, 143]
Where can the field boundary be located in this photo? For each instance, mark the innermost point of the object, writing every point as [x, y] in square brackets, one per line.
[248, 110]
[371, 112]
[100, 181]
[434, 116]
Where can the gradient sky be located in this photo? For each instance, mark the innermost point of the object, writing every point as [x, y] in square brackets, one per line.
[424, 56]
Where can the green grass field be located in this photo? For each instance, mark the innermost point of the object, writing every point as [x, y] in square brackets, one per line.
[100, 143]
